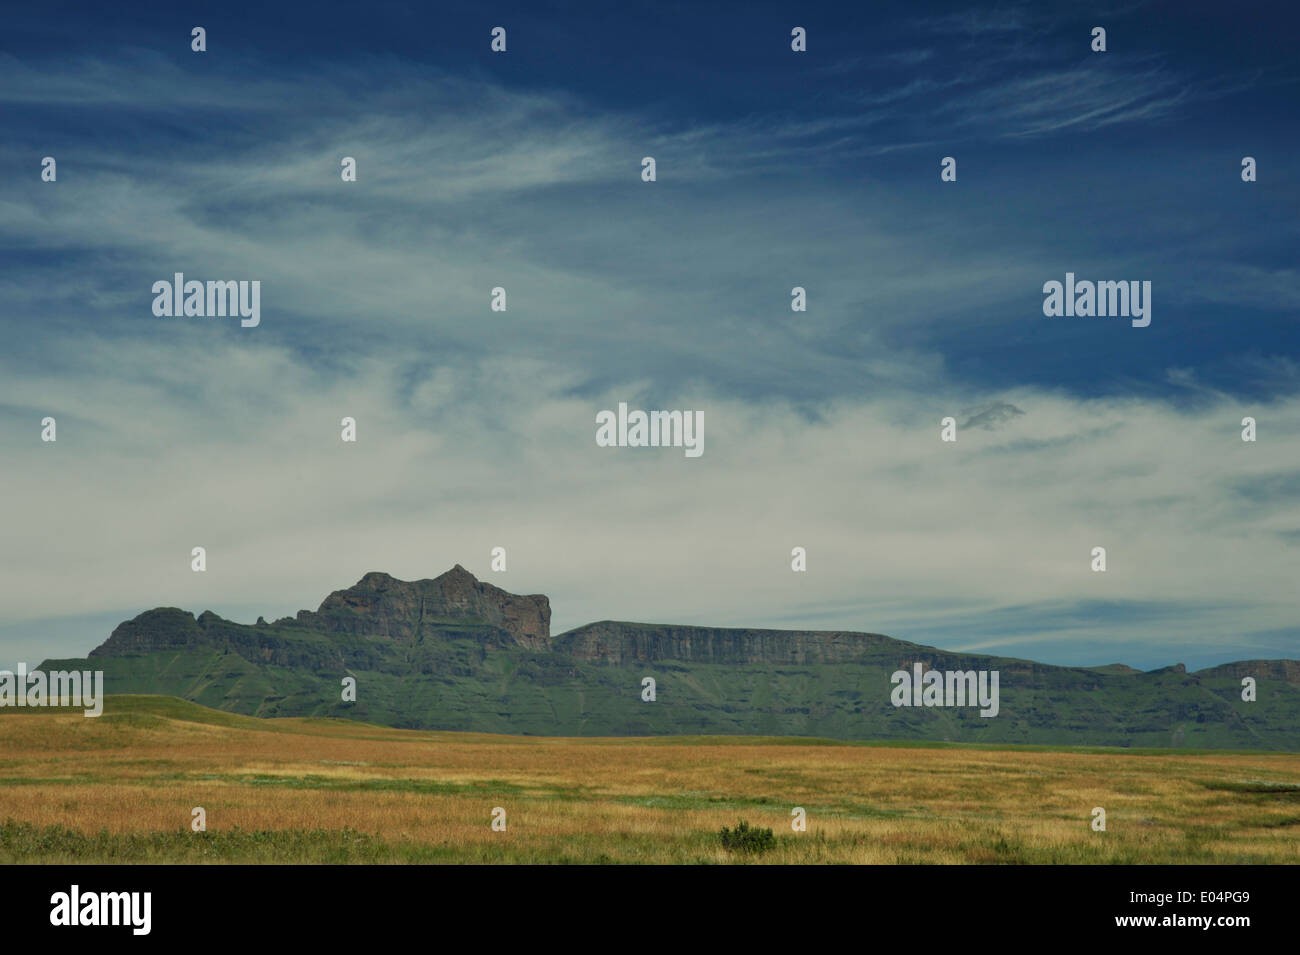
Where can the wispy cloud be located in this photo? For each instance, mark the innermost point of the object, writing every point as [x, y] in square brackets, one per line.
[200, 441]
[476, 428]
[991, 416]
[1004, 19]
[1084, 97]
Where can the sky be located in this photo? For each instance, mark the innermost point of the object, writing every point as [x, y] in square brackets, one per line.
[774, 169]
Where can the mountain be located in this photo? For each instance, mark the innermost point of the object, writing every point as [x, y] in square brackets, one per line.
[459, 654]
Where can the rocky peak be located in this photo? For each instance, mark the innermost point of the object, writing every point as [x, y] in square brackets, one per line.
[381, 605]
[158, 629]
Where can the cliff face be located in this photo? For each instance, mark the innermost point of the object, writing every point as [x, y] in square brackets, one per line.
[616, 643]
[377, 606]
[166, 628]
[410, 615]
[380, 605]
[1285, 671]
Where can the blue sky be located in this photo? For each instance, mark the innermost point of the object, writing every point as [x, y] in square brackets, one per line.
[775, 169]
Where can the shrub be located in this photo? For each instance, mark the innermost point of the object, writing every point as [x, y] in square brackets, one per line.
[747, 838]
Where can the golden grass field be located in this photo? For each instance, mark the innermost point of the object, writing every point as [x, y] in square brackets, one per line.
[121, 788]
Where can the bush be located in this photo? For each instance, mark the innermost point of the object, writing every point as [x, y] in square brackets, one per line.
[746, 838]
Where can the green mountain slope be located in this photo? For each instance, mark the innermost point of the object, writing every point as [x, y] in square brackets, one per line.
[457, 654]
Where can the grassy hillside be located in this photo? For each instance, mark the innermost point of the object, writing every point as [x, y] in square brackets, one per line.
[461, 685]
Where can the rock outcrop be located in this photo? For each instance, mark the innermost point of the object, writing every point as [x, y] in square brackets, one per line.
[455, 653]
[378, 605]
[1285, 671]
[166, 628]
[617, 644]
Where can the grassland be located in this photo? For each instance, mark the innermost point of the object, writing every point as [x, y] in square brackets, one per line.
[120, 788]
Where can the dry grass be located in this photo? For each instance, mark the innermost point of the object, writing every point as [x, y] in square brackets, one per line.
[420, 796]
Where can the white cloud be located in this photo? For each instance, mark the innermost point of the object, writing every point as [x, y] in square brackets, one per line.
[477, 429]
[497, 454]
